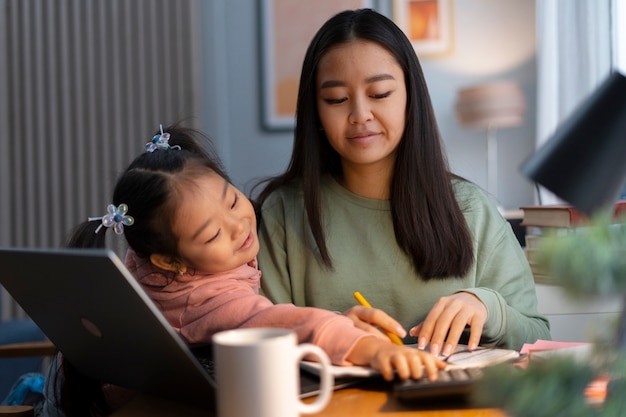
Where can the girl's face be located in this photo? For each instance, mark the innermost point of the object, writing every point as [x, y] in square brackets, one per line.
[361, 100]
[215, 225]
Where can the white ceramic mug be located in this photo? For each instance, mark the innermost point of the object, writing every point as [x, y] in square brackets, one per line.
[257, 373]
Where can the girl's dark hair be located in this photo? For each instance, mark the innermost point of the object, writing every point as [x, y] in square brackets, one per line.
[149, 188]
[428, 222]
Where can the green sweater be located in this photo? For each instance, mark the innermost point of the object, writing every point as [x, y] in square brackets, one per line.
[367, 258]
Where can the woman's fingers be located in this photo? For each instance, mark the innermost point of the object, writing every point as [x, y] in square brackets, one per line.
[447, 320]
[374, 320]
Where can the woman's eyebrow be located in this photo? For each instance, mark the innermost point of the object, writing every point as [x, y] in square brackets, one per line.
[380, 77]
[331, 84]
[372, 79]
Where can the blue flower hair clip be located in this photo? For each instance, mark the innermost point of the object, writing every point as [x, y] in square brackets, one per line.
[116, 218]
[160, 142]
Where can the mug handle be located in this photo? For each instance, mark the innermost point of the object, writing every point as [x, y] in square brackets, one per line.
[327, 380]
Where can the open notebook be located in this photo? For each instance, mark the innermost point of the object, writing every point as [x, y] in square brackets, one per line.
[461, 358]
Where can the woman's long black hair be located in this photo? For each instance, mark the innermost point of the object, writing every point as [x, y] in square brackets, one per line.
[428, 222]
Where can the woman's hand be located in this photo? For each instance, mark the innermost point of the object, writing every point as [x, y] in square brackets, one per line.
[372, 320]
[394, 360]
[449, 316]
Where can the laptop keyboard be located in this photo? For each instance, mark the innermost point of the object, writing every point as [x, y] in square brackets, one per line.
[309, 382]
[451, 383]
[204, 355]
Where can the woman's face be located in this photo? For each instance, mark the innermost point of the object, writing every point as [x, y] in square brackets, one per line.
[361, 100]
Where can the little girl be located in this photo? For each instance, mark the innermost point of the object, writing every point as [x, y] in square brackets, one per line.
[193, 244]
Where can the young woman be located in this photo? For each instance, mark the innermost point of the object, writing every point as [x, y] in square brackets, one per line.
[368, 203]
[193, 245]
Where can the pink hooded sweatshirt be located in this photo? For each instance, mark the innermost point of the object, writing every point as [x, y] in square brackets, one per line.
[199, 305]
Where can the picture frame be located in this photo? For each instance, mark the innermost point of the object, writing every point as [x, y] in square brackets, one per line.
[427, 24]
[288, 26]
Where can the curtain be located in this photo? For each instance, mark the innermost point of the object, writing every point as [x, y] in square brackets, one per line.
[619, 35]
[82, 86]
[575, 54]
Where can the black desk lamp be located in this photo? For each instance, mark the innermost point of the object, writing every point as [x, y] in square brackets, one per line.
[584, 162]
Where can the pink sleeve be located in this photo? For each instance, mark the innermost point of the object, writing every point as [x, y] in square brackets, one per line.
[228, 304]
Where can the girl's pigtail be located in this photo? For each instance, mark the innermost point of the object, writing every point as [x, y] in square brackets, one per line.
[91, 233]
[85, 236]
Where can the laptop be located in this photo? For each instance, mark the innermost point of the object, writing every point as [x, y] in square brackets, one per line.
[90, 306]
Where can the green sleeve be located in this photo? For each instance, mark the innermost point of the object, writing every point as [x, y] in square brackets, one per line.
[272, 256]
[504, 282]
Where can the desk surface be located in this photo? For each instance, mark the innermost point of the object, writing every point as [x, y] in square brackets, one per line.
[363, 401]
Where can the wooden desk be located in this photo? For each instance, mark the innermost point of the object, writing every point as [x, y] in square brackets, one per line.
[369, 401]
[363, 401]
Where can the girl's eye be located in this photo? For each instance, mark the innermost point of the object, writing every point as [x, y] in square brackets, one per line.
[214, 237]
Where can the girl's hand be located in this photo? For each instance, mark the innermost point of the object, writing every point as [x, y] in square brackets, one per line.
[393, 360]
[372, 320]
[449, 316]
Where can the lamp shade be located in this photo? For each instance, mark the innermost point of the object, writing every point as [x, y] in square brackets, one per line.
[496, 104]
[584, 161]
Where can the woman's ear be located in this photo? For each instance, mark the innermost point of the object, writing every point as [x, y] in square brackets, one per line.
[167, 263]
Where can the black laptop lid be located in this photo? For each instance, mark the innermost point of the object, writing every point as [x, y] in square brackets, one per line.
[94, 311]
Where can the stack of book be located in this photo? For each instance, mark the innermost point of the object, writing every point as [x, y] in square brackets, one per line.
[532, 250]
[559, 219]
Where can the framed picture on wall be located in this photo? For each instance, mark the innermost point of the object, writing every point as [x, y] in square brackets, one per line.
[427, 24]
[287, 27]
